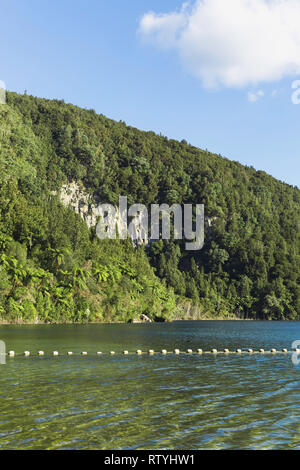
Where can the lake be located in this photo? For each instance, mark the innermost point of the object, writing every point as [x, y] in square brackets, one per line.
[150, 402]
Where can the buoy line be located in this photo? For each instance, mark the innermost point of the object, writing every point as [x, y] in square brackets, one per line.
[163, 352]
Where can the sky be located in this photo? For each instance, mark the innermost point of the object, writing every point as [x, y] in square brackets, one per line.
[223, 75]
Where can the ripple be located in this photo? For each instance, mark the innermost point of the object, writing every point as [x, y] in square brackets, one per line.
[248, 402]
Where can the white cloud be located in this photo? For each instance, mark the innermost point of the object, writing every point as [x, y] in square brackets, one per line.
[254, 96]
[231, 43]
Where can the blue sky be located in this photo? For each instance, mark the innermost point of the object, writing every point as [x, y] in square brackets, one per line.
[99, 54]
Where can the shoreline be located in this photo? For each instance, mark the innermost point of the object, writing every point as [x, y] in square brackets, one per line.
[23, 323]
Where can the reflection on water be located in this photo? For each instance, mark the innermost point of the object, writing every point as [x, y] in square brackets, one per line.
[157, 402]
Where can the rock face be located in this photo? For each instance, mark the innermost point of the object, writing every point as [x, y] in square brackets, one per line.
[72, 195]
[82, 203]
[75, 196]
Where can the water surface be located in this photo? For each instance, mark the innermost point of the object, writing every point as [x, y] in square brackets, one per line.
[150, 402]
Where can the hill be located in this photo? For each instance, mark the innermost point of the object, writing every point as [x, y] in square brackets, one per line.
[53, 268]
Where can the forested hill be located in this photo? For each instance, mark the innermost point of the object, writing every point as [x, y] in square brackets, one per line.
[53, 268]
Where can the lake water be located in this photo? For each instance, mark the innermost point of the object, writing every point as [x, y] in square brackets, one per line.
[150, 402]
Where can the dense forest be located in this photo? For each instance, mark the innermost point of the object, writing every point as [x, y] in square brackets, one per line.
[53, 268]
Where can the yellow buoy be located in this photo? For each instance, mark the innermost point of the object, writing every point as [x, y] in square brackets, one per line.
[285, 350]
[11, 353]
[214, 351]
[239, 351]
[151, 352]
[125, 353]
[69, 353]
[199, 351]
[84, 353]
[177, 351]
[262, 351]
[26, 353]
[41, 353]
[99, 353]
[250, 351]
[112, 353]
[226, 351]
[273, 350]
[190, 351]
[139, 352]
[55, 353]
[164, 352]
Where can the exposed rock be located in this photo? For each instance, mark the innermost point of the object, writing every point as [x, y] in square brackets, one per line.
[143, 319]
[75, 196]
[83, 204]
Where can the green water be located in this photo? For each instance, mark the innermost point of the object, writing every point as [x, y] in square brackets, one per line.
[150, 402]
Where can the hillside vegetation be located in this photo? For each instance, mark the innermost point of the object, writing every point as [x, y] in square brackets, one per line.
[54, 269]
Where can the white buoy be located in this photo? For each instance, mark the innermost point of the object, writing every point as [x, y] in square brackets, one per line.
[55, 353]
[139, 352]
[26, 353]
[11, 353]
[262, 351]
[214, 351]
[177, 351]
[99, 353]
[285, 350]
[190, 351]
[226, 351]
[250, 351]
[273, 350]
[41, 353]
[239, 351]
[151, 352]
[84, 353]
[164, 352]
[125, 353]
[112, 353]
[69, 353]
[199, 351]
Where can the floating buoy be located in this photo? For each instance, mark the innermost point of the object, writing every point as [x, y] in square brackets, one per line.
[165, 352]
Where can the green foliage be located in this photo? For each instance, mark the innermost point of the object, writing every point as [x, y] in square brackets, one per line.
[54, 269]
